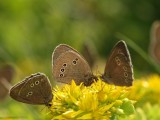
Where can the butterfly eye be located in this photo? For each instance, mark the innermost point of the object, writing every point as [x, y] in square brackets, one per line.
[32, 85]
[64, 65]
[37, 82]
[62, 70]
[61, 75]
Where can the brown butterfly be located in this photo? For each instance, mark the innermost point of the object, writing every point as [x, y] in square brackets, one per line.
[6, 76]
[155, 41]
[68, 65]
[119, 68]
[89, 52]
[35, 89]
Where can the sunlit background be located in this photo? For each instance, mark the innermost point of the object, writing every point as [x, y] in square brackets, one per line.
[31, 29]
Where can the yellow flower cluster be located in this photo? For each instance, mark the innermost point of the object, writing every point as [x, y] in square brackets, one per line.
[146, 92]
[146, 89]
[98, 101]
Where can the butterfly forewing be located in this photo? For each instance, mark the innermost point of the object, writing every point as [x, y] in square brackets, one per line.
[119, 70]
[89, 52]
[71, 66]
[59, 50]
[35, 89]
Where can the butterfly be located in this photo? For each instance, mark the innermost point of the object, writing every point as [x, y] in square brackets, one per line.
[155, 41]
[68, 65]
[35, 89]
[89, 52]
[6, 76]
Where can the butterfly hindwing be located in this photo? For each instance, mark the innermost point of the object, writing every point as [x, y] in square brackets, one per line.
[35, 89]
[119, 69]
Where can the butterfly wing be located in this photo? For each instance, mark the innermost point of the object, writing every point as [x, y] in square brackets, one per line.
[119, 69]
[35, 89]
[59, 50]
[7, 71]
[155, 41]
[6, 75]
[89, 52]
[71, 66]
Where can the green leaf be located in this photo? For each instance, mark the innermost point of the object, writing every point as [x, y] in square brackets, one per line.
[128, 107]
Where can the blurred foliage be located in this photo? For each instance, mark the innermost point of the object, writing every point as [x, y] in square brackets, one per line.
[30, 30]
[14, 110]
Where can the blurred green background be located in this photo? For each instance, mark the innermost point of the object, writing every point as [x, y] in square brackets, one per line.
[30, 30]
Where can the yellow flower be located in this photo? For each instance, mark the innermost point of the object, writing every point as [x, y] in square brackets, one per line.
[98, 101]
[146, 90]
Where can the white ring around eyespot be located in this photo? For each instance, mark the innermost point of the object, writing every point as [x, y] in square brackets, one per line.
[62, 71]
[74, 61]
[36, 82]
[64, 65]
[118, 61]
[32, 85]
[125, 74]
[124, 68]
[61, 74]
[29, 94]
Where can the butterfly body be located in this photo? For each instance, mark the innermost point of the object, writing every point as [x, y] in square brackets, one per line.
[35, 89]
